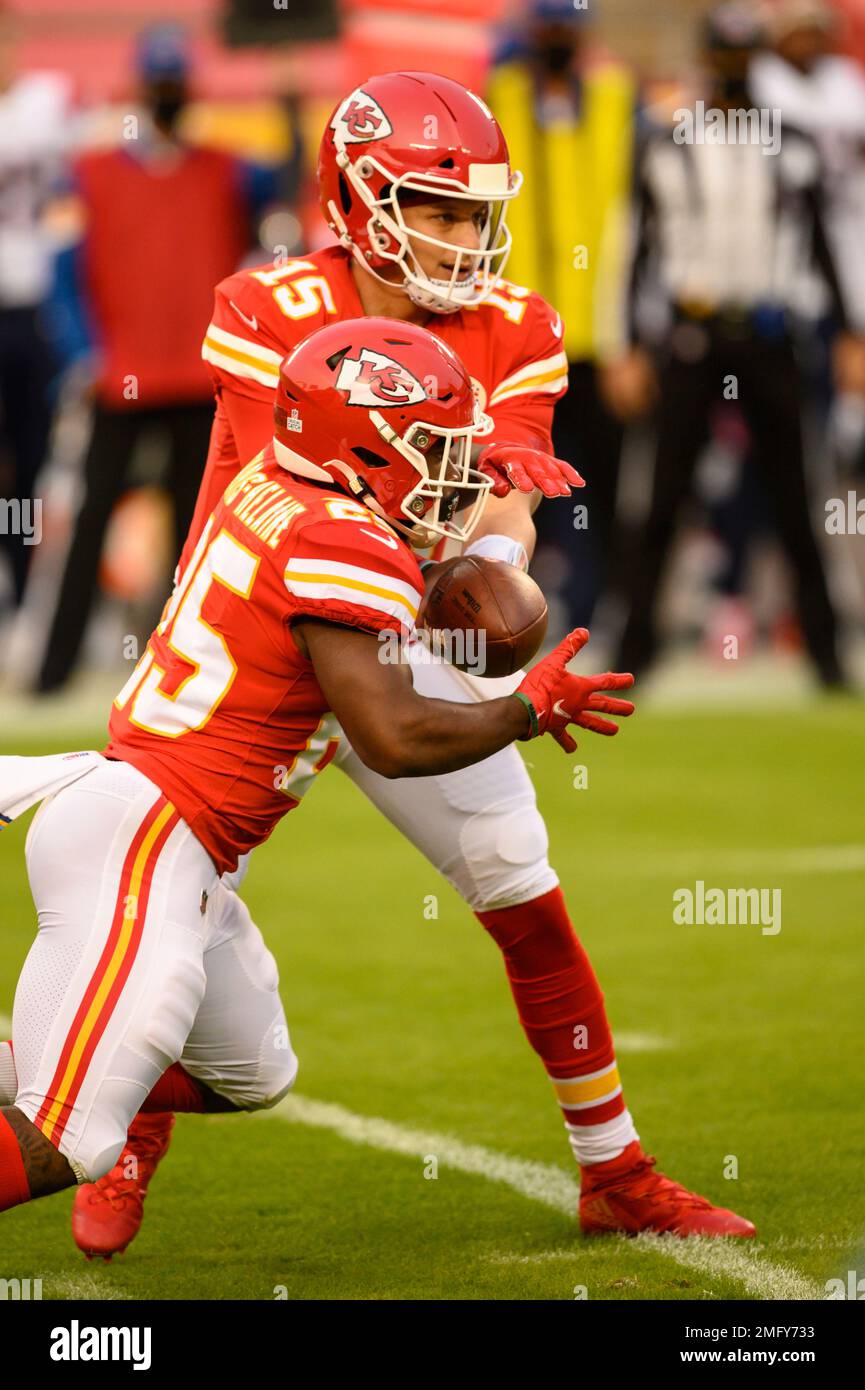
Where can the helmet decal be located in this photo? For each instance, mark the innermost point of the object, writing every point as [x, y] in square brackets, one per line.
[358, 119]
[371, 379]
[385, 411]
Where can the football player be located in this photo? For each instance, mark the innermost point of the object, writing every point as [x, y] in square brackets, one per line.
[148, 985]
[415, 178]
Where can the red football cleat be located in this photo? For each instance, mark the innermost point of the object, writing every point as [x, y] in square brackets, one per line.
[107, 1215]
[624, 1194]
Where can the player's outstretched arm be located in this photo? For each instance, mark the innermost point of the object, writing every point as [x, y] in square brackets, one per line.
[399, 733]
[393, 729]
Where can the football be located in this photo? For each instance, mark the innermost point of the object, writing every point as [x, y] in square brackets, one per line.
[485, 616]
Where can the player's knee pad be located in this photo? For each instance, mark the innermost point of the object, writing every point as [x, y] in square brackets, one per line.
[261, 1084]
[275, 1069]
[279, 1083]
[504, 857]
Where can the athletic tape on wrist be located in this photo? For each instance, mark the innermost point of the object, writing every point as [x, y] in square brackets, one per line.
[497, 547]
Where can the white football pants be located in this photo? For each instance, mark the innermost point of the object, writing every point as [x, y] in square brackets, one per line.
[142, 958]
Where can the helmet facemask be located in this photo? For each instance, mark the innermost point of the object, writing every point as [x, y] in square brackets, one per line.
[448, 487]
[387, 229]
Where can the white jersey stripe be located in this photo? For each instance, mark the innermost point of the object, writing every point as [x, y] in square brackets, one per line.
[237, 368]
[233, 341]
[558, 361]
[240, 357]
[536, 386]
[377, 600]
[357, 574]
[587, 1076]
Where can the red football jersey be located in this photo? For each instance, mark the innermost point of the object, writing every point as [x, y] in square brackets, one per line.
[511, 346]
[223, 712]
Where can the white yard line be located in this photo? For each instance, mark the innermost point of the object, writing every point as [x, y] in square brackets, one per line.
[542, 1182]
[732, 1260]
[722, 1259]
[549, 1185]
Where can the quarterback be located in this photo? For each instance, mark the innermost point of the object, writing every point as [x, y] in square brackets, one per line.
[141, 990]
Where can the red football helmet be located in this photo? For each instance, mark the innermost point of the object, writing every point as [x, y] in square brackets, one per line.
[385, 411]
[416, 132]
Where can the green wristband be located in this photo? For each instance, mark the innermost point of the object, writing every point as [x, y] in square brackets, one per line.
[533, 715]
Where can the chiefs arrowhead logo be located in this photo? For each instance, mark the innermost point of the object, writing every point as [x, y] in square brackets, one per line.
[358, 119]
[373, 379]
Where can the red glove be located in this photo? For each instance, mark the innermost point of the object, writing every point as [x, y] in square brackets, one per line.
[516, 466]
[554, 698]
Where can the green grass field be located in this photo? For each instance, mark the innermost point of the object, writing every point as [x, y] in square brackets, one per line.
[732, 1043]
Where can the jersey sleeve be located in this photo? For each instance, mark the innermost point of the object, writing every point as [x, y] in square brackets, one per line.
[340, 571]
[260, 314]
[531, 371]
[241, 345]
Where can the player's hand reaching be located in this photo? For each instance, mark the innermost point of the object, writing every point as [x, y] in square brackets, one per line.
[555, 698]
[515, 466]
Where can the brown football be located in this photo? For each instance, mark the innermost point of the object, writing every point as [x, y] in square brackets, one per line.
[487, 617]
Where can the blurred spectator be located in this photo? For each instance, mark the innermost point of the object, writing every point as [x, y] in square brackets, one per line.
[815, 89]
[33, 125]
[823, 93]
[731, 227]
[568, 114]
[163, 223]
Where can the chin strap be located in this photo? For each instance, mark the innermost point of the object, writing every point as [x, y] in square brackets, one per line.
[427, 299]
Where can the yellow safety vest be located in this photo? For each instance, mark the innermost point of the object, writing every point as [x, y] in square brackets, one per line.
[569, 220]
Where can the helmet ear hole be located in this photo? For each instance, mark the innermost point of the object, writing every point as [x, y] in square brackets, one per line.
[371, 459]
[345, 197]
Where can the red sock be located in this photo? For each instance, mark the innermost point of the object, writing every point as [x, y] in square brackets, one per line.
[175, 1090]
[561, 1009]
[14, 1187]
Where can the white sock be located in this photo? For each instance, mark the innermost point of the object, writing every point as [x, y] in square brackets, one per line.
[8, 1075]
[598, 1143]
